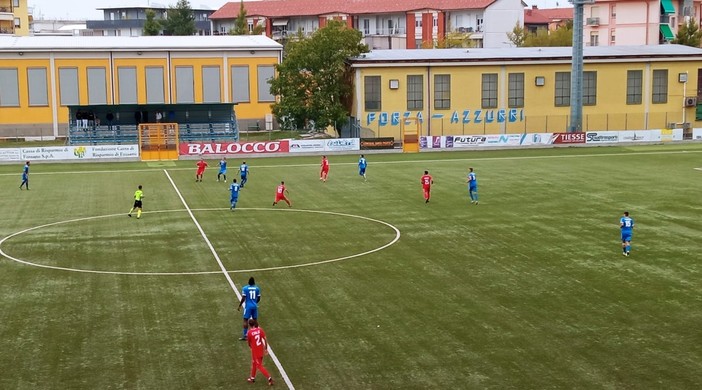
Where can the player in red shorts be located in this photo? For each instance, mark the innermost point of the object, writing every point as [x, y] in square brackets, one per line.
[201, 165]
[426, 181]
[280, 194]
[325, 169]
[259, 348]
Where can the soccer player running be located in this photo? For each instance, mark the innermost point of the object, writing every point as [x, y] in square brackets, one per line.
[472, 187]
[362, 164]
[250, 296]
[280, 193]
[138, 196]
[426, 181]
[234, 189]
[259, 348]
[25, 176]
[201, 165]
[222, 169]
[325, 169]
[626, 225]
[244, 171]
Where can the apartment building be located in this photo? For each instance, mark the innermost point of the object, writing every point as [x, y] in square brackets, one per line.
[15, 17]
[128, 21]
[637, 22]
[385, 24]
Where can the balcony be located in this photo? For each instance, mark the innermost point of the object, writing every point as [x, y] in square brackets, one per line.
[388, 31]
[592, 21]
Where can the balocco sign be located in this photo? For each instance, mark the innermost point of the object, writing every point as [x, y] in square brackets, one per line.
[202, 148]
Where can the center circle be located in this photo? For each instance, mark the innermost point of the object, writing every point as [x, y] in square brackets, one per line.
[308, 264]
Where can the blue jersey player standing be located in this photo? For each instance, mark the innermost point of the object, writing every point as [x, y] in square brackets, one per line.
[222, 169]
[626, 225]
[362, 164]
[472, 186]
[25, 176]
[250, 296]
[234, 189]
[244, 171]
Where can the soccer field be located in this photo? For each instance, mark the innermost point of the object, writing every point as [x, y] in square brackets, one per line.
[364, 286]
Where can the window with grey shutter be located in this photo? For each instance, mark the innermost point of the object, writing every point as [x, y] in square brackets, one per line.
[489, 90]
[9, 87]
[562, 92]
[589, 88]
[154, 85]
[97, 86]
[127, 85]
[415, 92]
[185, 89]
[634, 86]
[515, 93]
[371, 93]
[38, 88]
[660, 86]
[265, 73]
[211, 85]
[68, 86]
[442, 91]
[240, 84]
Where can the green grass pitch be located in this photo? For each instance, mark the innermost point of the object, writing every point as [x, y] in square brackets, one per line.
[527, 290]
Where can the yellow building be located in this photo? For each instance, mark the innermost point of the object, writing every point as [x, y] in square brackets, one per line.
[40, 76]
[495, 91]
[14, 17]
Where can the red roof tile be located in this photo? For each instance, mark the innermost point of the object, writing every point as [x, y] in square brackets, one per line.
[287, 8]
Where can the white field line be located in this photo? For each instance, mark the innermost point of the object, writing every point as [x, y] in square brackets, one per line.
[226, 275]
[278, 268]
[375, 163]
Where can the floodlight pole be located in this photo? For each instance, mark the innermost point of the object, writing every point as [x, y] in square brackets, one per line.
[576, 73]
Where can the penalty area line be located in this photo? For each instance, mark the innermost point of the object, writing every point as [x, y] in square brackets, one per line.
[226, 274]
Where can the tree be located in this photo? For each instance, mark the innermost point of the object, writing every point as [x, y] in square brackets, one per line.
[518, 35]
[180, 20]
[241, 24]
[151, 26]
[314, 80]
[561, 36]
[689, 34]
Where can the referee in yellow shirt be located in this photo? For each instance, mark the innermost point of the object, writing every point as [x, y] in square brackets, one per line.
[138, 195]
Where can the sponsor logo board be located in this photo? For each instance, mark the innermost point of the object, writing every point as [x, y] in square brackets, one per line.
[379, 143]
[340, 144]
[306, 146]
[10, 154]
[567, 138]
[208, 148]
[79, 152]
[599, 137]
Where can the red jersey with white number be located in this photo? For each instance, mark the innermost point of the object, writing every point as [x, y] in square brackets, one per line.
[426, 181]
[256, 338]
[280, 190]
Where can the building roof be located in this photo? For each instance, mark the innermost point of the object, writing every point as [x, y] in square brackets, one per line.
[150, 5]
[548, 15]
[143, 43]
[287, 8]
[591, 53]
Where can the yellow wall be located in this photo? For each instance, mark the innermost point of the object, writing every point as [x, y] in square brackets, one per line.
[539, 113]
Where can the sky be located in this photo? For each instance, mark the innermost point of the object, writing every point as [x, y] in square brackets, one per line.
[86, 9]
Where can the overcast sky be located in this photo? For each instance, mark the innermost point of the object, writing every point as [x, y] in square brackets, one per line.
[86, 9]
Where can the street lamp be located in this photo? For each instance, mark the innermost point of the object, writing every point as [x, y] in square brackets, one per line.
[576, 73]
